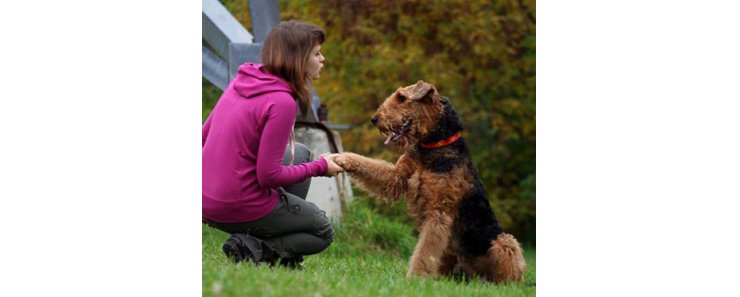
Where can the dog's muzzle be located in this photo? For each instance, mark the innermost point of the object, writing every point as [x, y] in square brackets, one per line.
[395, 135]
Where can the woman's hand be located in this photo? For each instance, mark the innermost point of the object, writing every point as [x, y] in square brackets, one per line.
[333, 168]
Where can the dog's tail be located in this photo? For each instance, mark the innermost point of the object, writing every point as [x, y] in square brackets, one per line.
[508, 260]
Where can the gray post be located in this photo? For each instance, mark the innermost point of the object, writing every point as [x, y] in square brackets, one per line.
[265, 15]
[239, 53]
[215, 70]
[221, 28]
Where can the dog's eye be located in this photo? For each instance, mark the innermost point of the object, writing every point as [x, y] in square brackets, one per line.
[401, 98]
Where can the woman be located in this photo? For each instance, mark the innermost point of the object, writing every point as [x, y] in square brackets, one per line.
[244, 143]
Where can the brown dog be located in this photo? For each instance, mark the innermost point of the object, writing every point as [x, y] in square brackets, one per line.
[458, 232]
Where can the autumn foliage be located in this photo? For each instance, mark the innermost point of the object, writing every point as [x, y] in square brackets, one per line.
[480, 54]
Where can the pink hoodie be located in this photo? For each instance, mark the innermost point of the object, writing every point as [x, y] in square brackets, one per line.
[244, 139]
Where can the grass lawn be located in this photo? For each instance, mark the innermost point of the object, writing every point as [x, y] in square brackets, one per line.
[369, 257]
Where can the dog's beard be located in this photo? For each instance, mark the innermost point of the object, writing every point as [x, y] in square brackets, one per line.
[401, 144]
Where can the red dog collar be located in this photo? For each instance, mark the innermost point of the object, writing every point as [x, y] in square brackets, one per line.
[441, 143]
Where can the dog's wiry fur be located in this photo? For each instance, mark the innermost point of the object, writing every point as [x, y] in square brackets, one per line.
[458, 232]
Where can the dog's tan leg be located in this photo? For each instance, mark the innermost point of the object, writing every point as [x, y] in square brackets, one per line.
[433, 242]
[377, 176]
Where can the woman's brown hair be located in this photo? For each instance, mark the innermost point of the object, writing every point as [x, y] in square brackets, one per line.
[285, 53]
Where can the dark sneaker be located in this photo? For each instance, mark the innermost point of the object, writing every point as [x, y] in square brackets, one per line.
[235, 250]
[243, 247]
[292, 263]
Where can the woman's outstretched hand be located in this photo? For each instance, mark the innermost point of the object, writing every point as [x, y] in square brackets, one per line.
[333, 167]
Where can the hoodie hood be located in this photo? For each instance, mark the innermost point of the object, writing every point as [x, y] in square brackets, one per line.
[253, 80]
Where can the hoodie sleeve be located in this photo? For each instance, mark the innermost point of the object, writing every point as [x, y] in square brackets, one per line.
[273, 141]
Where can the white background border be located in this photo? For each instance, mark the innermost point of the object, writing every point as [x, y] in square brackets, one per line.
[637, 151]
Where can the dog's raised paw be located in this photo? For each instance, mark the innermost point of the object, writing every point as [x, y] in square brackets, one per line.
[343, 161]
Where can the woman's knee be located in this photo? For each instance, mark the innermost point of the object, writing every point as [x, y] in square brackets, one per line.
[323, 228]
[301, 154]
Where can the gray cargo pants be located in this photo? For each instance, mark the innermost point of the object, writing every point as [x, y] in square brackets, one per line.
[295, 227]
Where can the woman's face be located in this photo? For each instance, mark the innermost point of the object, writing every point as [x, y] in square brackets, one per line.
[315, 63]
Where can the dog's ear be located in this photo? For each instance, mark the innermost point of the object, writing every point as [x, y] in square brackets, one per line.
[423, 92]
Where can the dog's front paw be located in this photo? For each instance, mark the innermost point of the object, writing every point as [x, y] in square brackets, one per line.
[344, 160]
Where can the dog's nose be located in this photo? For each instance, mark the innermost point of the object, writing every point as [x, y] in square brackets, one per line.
[374, 119]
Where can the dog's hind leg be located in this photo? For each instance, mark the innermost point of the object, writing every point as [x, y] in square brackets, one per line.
[434, 238]
[449, 264]
[508, 260]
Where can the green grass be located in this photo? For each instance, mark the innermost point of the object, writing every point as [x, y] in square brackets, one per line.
[369, 257]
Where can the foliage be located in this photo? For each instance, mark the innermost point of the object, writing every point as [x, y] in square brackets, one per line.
[369, 257]
[479, 53]
[366, 230]
[210, 96]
